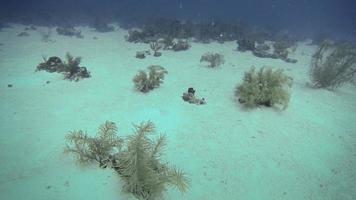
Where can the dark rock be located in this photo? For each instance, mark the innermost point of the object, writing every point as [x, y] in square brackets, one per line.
[190, 97]
[157, 54]
[53, 64]
[140, 55]
[23, 34]
[69, 31]
[9, 85]
[180, 45]
[246, 45]
[101, 26]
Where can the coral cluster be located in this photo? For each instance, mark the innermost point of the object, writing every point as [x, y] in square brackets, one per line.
[136, 159]
[333, 64]
[145, 82]
[265, 87]
[214, 59]
[70, 68]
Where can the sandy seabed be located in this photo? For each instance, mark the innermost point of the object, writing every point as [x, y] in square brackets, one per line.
[307, 151]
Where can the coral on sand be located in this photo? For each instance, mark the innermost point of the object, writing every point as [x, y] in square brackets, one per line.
[137, 160]
[145, 82]
[214, 59]
[70, 68]
[139, 165]
[94, 149]
[265, 87]
[156, 46]
[333, 65]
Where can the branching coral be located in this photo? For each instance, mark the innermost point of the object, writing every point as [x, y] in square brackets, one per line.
[144, 175]
[136, 160]
[214, 59]
[265, 87]
[145, 83]
[156, 46]
[333, 65]
[89, 149]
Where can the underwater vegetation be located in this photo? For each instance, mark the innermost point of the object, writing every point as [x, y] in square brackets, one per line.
[145, 82]
[94, 149]
[70, 68]
[333, 65]
[156, 46]
[214, 59]
[136, 159]
[265, 87]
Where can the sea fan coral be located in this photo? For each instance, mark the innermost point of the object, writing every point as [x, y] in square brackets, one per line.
[214, 59]
[333, 65]
[136, 160]
[266, 87]
[145, 83]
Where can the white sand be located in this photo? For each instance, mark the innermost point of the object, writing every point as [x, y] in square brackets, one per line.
[305, 152]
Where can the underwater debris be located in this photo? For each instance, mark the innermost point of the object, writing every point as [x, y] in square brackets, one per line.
[155, 77]
[265, 87]
[70, 68]
[333, 64]
[137, 160]
[214, 59]
[189, 96]
[69, 31]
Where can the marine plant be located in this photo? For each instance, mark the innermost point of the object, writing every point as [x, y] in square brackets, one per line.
[70, 68]
[145, 82]
[333, 65]
[156, 46]
[137, 160]
[139, 165]
[214, 59]
[94, 149]
[265, 87]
